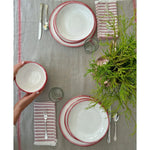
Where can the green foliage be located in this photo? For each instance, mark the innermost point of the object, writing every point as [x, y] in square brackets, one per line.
[119, 71]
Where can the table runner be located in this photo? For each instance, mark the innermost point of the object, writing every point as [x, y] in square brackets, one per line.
[69, 74]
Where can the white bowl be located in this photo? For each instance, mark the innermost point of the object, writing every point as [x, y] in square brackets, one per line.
[74, 22]
[31, 77]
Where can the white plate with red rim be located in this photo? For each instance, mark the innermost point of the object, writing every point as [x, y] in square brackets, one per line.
[62, 125]
[54, 34]
[68, 111]
[87, 125]
[63, 128]
[74, 22]
[31, 77]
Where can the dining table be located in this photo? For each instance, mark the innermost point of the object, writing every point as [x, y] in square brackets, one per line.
[66, 68]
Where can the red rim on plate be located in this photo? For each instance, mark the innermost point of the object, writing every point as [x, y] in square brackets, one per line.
[66, 118]
[61, 126]
[53, 32]
[68, 40]
[26, 62]
[85, 99]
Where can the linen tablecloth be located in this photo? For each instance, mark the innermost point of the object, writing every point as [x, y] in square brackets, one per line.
[66, 68]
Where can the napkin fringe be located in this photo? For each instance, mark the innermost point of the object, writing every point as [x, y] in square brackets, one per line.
[52, 143]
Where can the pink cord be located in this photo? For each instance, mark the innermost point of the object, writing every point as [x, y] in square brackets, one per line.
[134, 6]
[19, 28]
[19, 60]
[18, 124]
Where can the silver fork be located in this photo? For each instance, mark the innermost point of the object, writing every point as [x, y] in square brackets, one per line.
[45, 120]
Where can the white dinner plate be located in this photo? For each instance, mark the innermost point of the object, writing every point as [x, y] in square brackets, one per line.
[68, 111]
[55, 36]
[62, 125]
[74, 21]
[88, 125]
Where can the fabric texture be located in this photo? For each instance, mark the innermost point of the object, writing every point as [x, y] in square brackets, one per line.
[106, 14]
[40, 108]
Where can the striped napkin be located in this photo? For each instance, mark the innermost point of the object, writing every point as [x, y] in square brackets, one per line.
[39, 124]
[105, 9]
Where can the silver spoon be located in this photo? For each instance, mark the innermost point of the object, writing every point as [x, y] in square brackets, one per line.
[45, 26]
[116, 118]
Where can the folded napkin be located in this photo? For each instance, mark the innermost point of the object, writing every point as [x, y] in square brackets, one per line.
[105, 9]
[39, 124]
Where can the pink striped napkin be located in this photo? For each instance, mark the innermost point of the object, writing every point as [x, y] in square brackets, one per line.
[103, 9]
[39, 124]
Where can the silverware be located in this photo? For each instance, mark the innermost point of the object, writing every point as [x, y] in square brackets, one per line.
[45, 120]
[107, 9]
[116, 118]
[40, 22]
[45, 26]
[109, 137]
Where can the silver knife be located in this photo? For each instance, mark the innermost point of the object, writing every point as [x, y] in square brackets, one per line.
[45, 26]
[40, 22]
[108, 137]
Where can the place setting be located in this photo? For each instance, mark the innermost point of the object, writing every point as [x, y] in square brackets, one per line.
[71, 24]
[79, 124]
[82, 126]
[66, 25]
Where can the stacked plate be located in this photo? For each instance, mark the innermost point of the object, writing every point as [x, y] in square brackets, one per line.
[71, 23]
[82, 126]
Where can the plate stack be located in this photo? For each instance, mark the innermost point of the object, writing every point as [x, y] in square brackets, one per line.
[71, 23]
[82, 126]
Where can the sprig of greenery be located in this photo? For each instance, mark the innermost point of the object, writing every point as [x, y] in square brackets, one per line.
[120, 71]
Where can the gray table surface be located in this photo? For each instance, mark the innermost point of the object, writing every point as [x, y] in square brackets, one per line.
[66, 68]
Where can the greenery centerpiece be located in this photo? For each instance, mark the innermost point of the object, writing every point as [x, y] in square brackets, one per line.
[115, 71]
